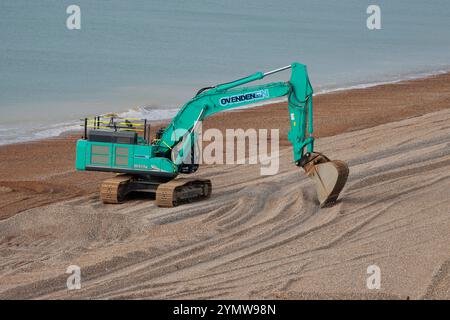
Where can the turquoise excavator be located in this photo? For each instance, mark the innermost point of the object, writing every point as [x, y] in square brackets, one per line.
[123, 146]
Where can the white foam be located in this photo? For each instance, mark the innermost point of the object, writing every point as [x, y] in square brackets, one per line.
[11, 134]
[150, 113]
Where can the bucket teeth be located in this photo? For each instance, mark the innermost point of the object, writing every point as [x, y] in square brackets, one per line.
[329, 178]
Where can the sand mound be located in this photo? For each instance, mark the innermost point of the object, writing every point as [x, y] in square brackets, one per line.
[257, 237]
[16, 196]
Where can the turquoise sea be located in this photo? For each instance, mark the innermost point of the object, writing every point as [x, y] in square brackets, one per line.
[146, 57]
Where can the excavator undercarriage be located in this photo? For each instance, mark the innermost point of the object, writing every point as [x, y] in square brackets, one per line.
[167, 194]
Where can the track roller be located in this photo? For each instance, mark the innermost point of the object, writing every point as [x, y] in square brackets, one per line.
[114, 190]
[182, 190]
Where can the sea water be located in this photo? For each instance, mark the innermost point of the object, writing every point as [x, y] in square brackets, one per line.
[144, 58]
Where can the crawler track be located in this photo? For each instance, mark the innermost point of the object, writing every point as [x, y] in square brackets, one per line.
[114, 190]
[169, 194]
[182, 190]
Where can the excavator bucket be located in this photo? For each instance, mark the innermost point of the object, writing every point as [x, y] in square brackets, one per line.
[328, 176]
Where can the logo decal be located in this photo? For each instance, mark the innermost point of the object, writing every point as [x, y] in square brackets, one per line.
[239, 98]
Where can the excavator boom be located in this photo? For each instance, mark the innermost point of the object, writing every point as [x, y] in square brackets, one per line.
[151, 166]
[231, 95]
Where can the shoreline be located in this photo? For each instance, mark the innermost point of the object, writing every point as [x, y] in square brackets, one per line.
[361, 86]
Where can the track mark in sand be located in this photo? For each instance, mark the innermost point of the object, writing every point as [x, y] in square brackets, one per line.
[393, 175]
[17, 196]
[190, 256]
[416, 145]
[311, 295]
[439, 288]
[58, 284]
[215, 256]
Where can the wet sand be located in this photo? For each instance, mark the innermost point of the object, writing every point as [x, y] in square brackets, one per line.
[257, 237]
